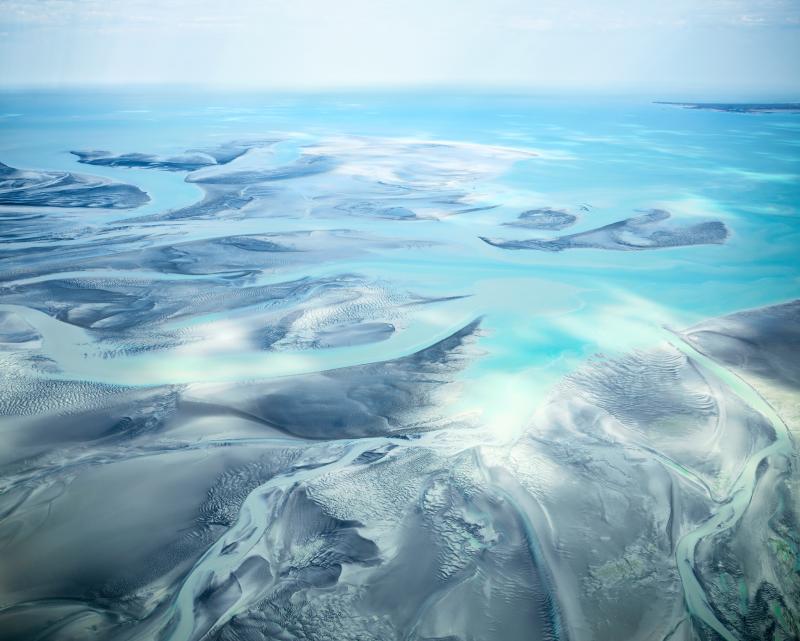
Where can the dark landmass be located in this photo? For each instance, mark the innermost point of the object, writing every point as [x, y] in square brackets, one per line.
[739, 107]
[632, 234]
[306, 165]
[762, 341]
[189, 161]
[65, 189]
[544, 218]
[375, 399]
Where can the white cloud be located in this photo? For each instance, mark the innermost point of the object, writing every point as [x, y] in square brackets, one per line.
[531, 24]
[526, 43]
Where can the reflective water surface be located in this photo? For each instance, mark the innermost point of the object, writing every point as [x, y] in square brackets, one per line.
[397, 367]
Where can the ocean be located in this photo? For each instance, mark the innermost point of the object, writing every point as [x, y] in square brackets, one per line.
[397, 365]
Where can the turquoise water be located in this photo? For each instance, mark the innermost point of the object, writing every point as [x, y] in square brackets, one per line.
[545, 311]
[372, 324]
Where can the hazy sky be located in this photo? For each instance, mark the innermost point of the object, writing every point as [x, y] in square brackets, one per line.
[708, 47]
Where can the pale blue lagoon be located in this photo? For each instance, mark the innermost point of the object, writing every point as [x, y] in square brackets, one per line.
[398, 366]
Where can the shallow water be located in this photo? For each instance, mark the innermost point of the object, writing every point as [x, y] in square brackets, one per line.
[350, 354]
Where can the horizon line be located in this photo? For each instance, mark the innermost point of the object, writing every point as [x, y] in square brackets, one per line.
[688, 94]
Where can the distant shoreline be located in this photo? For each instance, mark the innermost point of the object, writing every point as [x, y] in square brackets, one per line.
[738, 107]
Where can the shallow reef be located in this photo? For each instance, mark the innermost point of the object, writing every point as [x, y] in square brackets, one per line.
[280, 413]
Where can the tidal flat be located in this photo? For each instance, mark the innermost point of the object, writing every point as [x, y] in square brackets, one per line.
[413, 367]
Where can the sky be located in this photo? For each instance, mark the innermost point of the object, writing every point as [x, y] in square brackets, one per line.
[705, 48]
